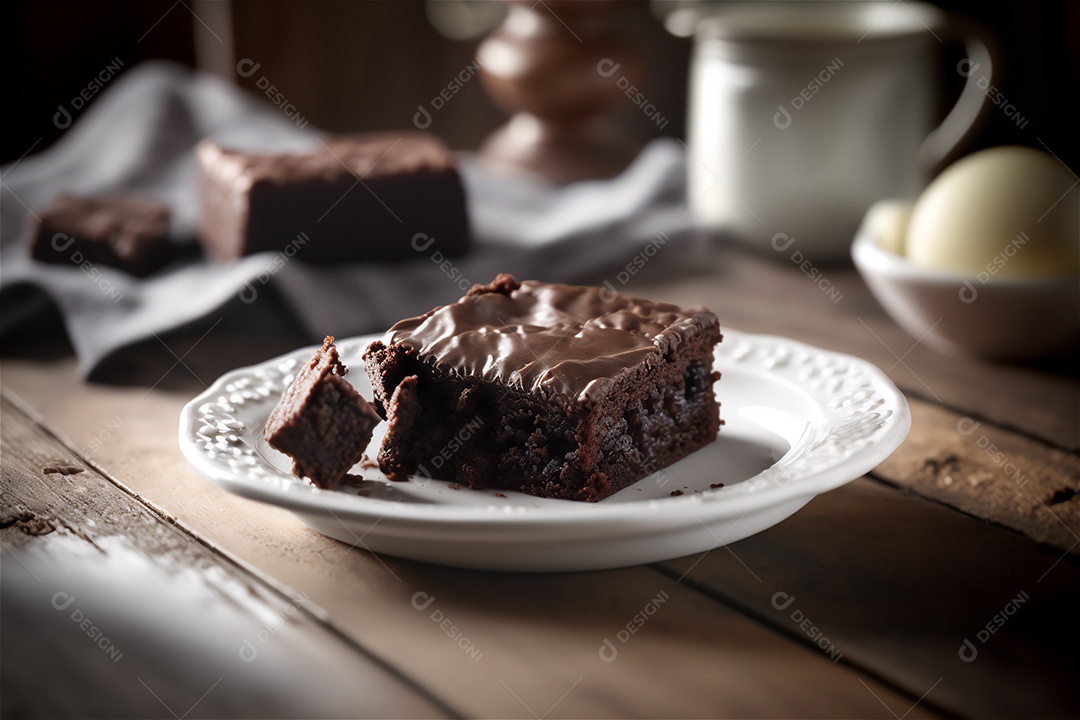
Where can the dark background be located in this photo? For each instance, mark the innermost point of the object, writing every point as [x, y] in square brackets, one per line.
[366, 65]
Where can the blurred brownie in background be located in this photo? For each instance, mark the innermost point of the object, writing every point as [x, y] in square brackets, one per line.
[378, 197]
[123, 232]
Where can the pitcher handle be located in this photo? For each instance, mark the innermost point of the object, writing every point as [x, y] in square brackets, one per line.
[945, 142]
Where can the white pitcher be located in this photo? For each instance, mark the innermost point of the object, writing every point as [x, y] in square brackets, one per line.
[803, 114]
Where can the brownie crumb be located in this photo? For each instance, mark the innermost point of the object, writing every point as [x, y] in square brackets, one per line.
[676, 493]
[1061, 496]
[454, 486]
[716, 485]
[352, 480]
[28, 523]
[501, 495]
[503, 284]
[62, 470]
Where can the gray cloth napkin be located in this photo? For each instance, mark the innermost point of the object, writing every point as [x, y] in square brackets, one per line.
[139, 138]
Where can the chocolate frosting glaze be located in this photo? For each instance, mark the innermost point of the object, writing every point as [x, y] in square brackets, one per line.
[567, 339]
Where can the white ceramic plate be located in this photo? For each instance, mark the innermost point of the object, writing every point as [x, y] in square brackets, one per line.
[799, 422]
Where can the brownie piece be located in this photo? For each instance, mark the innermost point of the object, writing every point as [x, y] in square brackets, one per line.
[356, 198]
[552, 390]
[321, 421]
[127, 233]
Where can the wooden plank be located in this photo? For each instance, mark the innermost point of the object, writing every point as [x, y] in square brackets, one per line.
[976, 617]
[109, 611]
[836, 311]
[991, 473]
[490, 644]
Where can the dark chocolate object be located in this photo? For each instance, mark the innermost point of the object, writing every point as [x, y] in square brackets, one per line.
[321, 421]
[360, 198]
[553, 390]
[127, 233]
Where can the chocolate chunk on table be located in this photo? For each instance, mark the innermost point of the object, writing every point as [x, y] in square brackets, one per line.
[355, 198]
[127, 233]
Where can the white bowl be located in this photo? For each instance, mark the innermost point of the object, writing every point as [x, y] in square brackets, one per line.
[985, 316]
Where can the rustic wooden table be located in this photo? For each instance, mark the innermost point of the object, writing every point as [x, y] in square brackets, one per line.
[944, 583]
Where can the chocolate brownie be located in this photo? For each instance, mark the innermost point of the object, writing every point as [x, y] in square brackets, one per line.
[552, 390]
[354, 198]
[321, 421]
[123, 232]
